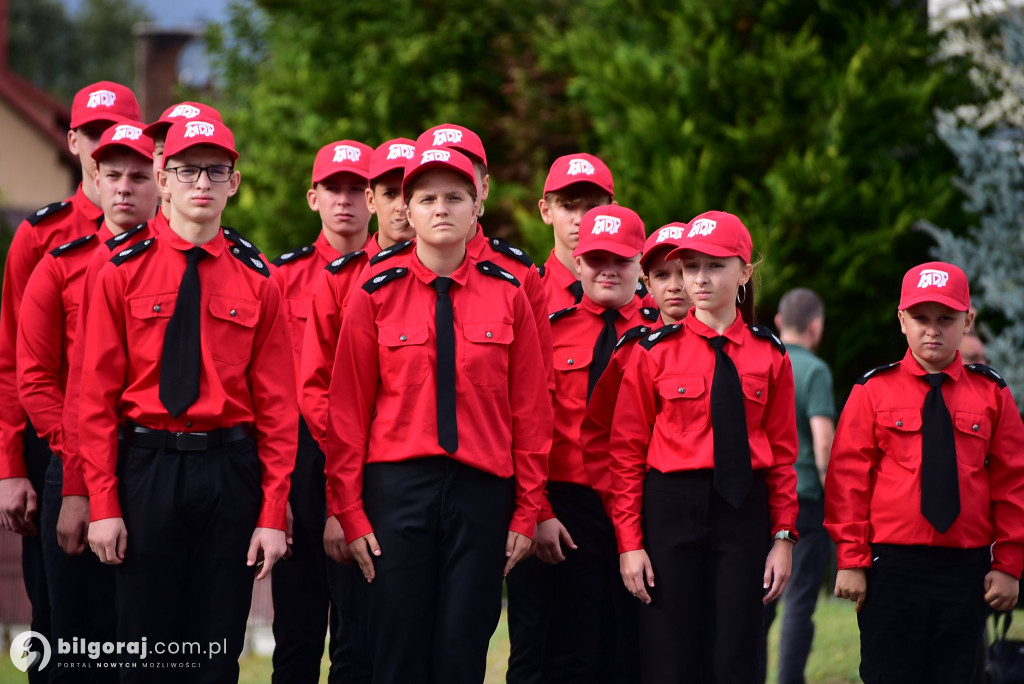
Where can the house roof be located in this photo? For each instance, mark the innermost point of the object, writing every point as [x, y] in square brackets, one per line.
[41, 111]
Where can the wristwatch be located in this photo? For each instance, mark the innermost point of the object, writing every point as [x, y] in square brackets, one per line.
[787, 535]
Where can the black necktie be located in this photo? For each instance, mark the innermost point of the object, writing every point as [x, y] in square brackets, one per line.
[603, 349]
[179, 367]
[577, 291]
[940, 487]
[444, 324]
[733, 474]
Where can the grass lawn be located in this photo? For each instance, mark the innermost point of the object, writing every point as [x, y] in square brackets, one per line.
[834, 656]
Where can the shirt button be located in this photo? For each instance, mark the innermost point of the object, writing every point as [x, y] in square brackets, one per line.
[899, 423]
[682, 390]
[975, 427]
[403, 338]
[156, 307]
[758, 394]
[570, 362]
[233, 313]
[490, 334]
[188, 424]
[235, 250]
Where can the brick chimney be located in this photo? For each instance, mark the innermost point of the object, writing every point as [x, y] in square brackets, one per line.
[157, 49]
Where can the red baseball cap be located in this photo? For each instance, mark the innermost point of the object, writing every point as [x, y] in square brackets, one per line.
[104, 101]
[579, 168]
[127, 134]
[390, 156]
[938, 282]
[668, 236]
[183, 111]
[457, 137]
[426, 158]
[189, 133]
[611, 228]
[342, 156]
[718, 234]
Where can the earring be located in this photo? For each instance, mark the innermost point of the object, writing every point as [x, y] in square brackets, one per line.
[741, 294]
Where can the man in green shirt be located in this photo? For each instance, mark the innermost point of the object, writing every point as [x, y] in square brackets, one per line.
[801, 322]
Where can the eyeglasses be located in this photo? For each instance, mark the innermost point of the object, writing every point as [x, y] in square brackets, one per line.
[219, 173]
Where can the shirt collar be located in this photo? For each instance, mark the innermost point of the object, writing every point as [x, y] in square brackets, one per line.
[460, 276]
[912, 366]
[214, 247]
[475, 245]
[734, 332]
[557, 270]
[626, 310]
[83, 204]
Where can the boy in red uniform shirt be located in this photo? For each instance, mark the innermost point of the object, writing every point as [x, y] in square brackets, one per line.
[570, 603]
[187, 353]
[924, 494]
[305, 585]
[81, 588]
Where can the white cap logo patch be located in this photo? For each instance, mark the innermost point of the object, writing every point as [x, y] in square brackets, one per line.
[580, 166]
[126, 132]
[932, 277]
[435, 155]
[198, 128]
[401, 151]
[343, 153]
[670, 233]
[101, 98]
[447, 135]
[184, 111]
[701, 227]
[606, 224]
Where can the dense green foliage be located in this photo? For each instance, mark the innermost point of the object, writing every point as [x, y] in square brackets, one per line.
[813, 121]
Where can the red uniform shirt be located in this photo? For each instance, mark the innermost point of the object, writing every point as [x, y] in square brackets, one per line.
[595, 430]
[383, 392]
[326, 304]
[246, 374]
[48, 228]
[575, 331]
[46, 332]
[557, 280]
[873, 485]
[74, 480]
[663, 417]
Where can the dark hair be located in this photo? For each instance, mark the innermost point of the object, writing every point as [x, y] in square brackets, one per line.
[376, 181]
[799, 307]
[581, 190]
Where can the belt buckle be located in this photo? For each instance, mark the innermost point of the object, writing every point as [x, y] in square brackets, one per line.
[190, 441]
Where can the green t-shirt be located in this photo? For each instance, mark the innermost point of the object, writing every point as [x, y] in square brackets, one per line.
[813, 382]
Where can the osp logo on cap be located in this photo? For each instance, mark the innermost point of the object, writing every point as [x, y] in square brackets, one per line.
[580, 167]
[670, 233]
[401, 151]
[606, 224]
[435, 155]
[101, 98]
[447, 135]
[933, 277]
[343, 153]
[126, 132]
[184, 111]
[198, 128]
[30, 651]
[702, 227]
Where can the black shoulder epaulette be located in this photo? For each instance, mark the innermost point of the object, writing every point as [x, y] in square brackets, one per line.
[658, 335]
[650, 313]
[766, 333]
[875, 371]
[552, 317]
[632, 334]
[390, 252]
[246, 252]
[129, 252]
[294, 255]
[387, 276]
[492, 269]
[113, 242]
[340, 262]
[641, 289]
[982, 369]
[506, 247]
[49, 210]
[74, 244]
[541, 270]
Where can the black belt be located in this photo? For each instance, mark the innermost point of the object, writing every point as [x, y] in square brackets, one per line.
[137, 435]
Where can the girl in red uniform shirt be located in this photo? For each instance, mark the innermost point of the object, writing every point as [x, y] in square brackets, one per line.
[439, 424]
[702, 446]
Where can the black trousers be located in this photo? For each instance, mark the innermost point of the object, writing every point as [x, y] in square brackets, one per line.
[704, 620]
[923, 615]
[436, 598]
[311, 590]
[184, 581]
[33, 568]
[81, 596]
[588, 629]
